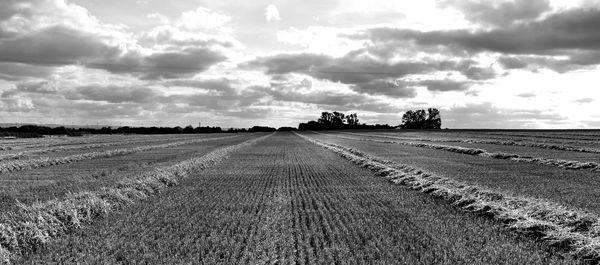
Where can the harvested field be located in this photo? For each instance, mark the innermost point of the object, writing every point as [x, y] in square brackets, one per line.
[496, 142]
[552, 140]
[313, 198]
[55, 181]
[65, 149]
[575, 188]
[563, 158]
[286, 201]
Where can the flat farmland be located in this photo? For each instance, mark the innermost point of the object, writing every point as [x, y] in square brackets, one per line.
[581, 139]
[286, 201]
[352, 197]
[89, 174]
[575, 188]
[526, 149]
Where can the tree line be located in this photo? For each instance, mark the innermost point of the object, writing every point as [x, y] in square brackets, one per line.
[418, 119]
[421, 119]
[338, 121]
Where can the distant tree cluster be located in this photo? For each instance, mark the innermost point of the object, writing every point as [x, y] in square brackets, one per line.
[261, 129]
[35, 131]
[286, 129]
[421, 119]
[32, 131]
[337, 121]
[159, 130]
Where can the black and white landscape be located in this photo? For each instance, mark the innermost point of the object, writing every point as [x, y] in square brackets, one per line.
[299, 132]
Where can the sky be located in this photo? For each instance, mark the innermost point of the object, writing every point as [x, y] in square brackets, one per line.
[484, 64]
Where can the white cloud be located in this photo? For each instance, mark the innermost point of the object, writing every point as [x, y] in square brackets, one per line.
[123, 66]
[318, 39]
[203, 19]
[160, 17]
[272, 13]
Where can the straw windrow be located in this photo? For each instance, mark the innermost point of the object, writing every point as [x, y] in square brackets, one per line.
[574, 231]
[561, 147]
[561, 163]
[18, 165]
[33, 226]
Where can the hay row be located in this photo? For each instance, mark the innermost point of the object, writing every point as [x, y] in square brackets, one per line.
[574, 231]
[495, 142]
[561, 163]
[32, 226]
[18, 165]
[23, 154]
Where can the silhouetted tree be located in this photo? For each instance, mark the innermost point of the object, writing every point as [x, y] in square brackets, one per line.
[421, 119]
[261, 129]
[338, 119]
[326, 118]
[352, 119]
[434, 119]
[286, 129]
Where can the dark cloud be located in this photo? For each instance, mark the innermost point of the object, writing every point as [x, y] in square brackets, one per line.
[167, 65]
[512, 62]
[115, 94]
[250, 113]
[55, 45]
[167, 36]
[39, 87]
[98, 110]
[499, 13]
[10, 8]
[445, 85]
[573, 33]
[60, 45]
[221, 85]
[290, 91]
[372, 76]
[397, 88]
[487, 115]
[9, 93]
[288, 63]
[526, 95]
[20, 72]
[363, 73]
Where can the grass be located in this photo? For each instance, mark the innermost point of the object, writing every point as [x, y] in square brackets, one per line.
[33, 226]
[286, 201]
[576, 232]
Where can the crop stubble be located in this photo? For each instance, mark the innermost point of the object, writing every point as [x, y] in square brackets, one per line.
[54, 181]
[573, 188]
[288, 201]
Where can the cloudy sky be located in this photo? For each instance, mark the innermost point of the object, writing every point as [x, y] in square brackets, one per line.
[484, 64]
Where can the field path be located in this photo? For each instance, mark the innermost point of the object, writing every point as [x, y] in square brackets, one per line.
[288, 201]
